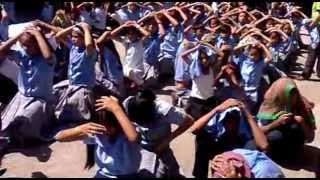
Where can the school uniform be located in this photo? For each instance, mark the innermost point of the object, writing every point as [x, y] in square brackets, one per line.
[111, 75]
[169, 46]
[74, 96]
[214, 140]
[251, 74]
[261, 166]
[279, 55]
[115, 158]
[164, 165]
[150, 56]
[133, 67]
[30, 112]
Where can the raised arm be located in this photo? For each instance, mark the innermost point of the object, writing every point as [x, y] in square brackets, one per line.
[43, 45]
[142, 30]
[55, 29]
[201, 123]
[173, 21]
[185, 54]
[90, 47]
[5, 47]
[267, 53]
[112, 104]
[106, 35]
[62, 35]
[258, 135]
[162, 31]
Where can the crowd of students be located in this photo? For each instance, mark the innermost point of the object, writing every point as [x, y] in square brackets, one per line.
[63, 78]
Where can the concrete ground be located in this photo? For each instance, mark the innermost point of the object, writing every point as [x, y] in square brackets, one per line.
[67, 159]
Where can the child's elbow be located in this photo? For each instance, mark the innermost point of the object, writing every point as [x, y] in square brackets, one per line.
[264, 147]
[133, 138]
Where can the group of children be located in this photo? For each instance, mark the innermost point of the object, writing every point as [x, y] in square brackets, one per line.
[230, 65]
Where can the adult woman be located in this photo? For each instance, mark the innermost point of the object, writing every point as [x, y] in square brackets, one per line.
[286, 117]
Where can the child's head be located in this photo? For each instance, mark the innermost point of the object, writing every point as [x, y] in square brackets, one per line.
[88, 7]
[141, 108]
[107, 119]
[77, 36]
[199, 31]
[151, 26]
[225, 31]
[269, 23]
[29, 44]
[204, 61]
[275, 37]
[214, 22]
[231, 123]
[132, 34]
[287, 29]
[242, 18]
[255, 53]
[132, 6]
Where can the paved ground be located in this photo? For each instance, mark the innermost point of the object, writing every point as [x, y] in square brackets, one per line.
[67, 159]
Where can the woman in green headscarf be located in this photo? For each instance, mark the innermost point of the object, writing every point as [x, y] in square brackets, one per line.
[286, 116]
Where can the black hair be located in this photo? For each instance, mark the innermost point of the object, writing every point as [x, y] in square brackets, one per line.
[101, 117]
[225, 29]
[141, 108]
[88, 7]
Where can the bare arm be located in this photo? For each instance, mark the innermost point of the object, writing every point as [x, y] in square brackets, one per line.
[43, 45]
[5, 47]
[62, 35]
[173, 21]
[80, 132]
[258, 135]
[112, 104]
[55, 29]
[200, 123]
[90, 47]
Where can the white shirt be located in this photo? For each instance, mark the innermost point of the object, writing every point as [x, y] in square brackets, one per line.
[202, 87]
[101, 18]
[134, 56]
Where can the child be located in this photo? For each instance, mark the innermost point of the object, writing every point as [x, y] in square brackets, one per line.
[133, 67]
[171, 42]
[112, 77]
[153, 119]
[243, 163]
[229, 125]
[31, 110]
[113, 138]
[75, 95]
[151, 45]
[251, 67]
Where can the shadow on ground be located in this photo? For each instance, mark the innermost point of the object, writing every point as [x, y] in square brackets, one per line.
[307, 159]
[41, 152]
